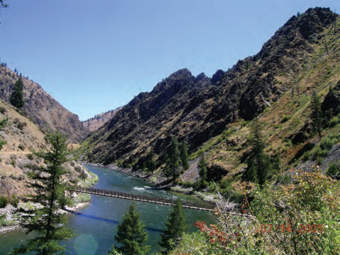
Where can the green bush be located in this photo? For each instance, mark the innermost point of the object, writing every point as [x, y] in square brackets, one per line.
[187, 184]
[15, 201]
[286, 118]
[3, 202]
[334, 122]
[30, 156]
[306, 156]
[284, 179]
[319, 160]
[326, 144]
[333, 170]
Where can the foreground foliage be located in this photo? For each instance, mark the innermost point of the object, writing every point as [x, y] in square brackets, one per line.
[49, 191]
[299, 218]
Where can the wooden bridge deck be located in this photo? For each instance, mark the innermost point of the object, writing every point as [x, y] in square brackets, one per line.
[154, 200]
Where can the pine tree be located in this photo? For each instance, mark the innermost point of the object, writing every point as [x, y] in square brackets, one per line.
[203, 172]
[173, 159]
[258, 163]
[49, 191]
[316, 115]
[184, 156]
[175, 227]
[16, 98]
[131, 234]
[150, 162]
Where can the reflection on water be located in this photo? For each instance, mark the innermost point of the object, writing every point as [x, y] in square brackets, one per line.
[95, 225]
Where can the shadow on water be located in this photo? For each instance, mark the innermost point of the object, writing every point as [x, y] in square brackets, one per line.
[106, 220]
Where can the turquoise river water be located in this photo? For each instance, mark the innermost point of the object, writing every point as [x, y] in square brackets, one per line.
[96, 225]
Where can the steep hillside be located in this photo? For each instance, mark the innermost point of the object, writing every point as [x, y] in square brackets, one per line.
[99, 120]
[22, 136]
[196, 109]
[41, 106]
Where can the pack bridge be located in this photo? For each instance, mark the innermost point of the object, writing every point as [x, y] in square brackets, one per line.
[154, 200]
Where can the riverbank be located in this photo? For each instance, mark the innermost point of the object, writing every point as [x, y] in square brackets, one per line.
[210, 198]
[13, 216]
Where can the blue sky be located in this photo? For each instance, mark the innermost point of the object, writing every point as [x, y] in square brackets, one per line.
[93, 56]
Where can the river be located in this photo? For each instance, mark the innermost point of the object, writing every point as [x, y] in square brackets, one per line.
[96, 225]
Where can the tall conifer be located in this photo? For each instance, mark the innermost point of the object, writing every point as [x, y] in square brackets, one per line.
[316, 115]
[184, 156]
[49, 191]
[258, 163]
[131, 234]
[203, 172]
[175, 227]
[173, 159]
[16, 98]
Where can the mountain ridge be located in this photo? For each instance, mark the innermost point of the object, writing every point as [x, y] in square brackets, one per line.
[41, 106]
[196, 109]
[99, 120]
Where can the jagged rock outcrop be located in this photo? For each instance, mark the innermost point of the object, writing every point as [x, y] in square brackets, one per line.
[43, 108]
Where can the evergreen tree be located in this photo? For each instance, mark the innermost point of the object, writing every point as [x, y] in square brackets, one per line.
[175, 227]
[150, 163]
[131, 234]
[258, 163]
[277, 164]
[49, 191]
[250, 174]
[316, 115]
[16, 98]
[173, 159]
[203, 172]
[184, 156]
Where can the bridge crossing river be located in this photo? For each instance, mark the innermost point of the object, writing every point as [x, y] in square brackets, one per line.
[147, 199]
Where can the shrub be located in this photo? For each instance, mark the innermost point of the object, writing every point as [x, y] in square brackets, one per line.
[15, 201]
[306, 156]
[21, 125]
[3, 202]
[333, 170]
[286, 118]
[83, 175]
[244, 123]
[13, 162]
[21, 147]
[30, 156]
[284, 179]
[319, 160]
[334, 122]
[187, 184]
[77, 168]
[2, 110]
[326, 144]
